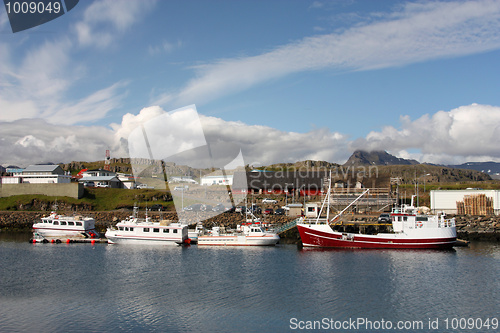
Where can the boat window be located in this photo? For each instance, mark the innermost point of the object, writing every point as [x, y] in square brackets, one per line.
[166, 230]
[175, 231]
[405, 218]
[131, 229]
[126, 228]
[422, 218]
[63, 222]
[145, 230]
[79, 223]
[399, 218]
[156, 230]
[71, 223]
[56, 222]
[120, 228]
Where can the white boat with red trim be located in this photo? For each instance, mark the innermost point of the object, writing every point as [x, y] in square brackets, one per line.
[411, 230]
[56, 225]
[244, 235]
[137, 230]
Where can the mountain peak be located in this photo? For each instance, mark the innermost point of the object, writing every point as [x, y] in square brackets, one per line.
[376, 157]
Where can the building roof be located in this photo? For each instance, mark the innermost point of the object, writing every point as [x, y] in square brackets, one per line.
[219, 176]
[99, 179]
[42, 168]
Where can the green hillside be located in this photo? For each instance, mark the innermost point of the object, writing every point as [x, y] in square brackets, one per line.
[96, 199]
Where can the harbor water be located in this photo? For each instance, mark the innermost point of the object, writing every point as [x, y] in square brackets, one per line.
[113, 288]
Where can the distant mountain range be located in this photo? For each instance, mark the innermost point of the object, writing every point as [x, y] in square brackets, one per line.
[491, 168]
[361, 157]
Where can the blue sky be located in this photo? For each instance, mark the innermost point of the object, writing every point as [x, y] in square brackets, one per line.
[284, 80]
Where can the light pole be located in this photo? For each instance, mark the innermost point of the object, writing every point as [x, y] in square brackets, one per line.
[416, 182]
[286, 192]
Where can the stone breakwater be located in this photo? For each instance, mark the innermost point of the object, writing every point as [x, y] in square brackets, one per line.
[22, 221]
[486, 228]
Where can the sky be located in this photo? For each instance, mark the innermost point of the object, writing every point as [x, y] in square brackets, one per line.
[282, 80]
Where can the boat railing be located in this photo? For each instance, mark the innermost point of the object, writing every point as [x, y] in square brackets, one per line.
[446, 223]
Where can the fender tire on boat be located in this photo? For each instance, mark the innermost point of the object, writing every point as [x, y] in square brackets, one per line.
[58, 241]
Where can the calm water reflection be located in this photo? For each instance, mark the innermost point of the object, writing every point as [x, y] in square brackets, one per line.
[79, 287]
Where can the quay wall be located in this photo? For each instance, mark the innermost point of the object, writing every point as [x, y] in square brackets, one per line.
[472, 228]
[73, 190]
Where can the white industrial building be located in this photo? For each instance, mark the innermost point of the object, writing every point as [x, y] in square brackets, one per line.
[446, 200]
[217, 180]
[39, 174]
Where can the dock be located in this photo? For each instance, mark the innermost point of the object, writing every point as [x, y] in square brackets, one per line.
[67, 240]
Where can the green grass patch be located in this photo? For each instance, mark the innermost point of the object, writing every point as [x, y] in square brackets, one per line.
[96, 199]
[114, 198]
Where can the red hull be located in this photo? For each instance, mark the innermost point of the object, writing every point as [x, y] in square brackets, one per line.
[315, 238]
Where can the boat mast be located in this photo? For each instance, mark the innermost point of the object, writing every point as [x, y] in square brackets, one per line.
[329, 194]
[326, 200]
[343, 210]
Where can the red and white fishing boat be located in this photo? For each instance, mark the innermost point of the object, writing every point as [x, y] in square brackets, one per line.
[411, 230]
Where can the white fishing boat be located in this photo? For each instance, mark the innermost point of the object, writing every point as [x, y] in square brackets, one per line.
[56, 225]
[244, 235]
[144, 231]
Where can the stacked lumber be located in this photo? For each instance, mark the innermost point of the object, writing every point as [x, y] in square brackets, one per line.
[475, 204]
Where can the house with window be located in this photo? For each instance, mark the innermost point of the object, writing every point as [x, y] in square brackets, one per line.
[100, 178]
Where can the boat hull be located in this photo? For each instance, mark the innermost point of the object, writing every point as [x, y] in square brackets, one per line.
[269, 240]
[118, 239]
[324, 236]
[46, 232]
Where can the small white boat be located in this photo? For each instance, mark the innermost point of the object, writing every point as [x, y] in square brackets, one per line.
[245, 235]
[56, 225]
[144, 231]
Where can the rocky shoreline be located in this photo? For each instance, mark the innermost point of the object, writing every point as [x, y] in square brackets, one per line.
[470, 228]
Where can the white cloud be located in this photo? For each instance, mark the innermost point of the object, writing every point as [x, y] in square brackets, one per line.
[130, 121]
[30, 141]
[265, 145]
[104, 20]
[91, 108]
[165, 47]
[467, 133]
[4, 21]
[38, 86]
[417, 33]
